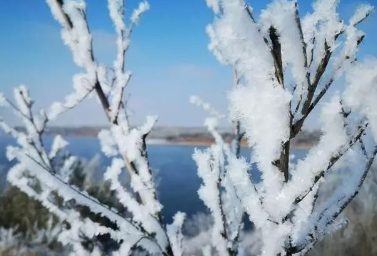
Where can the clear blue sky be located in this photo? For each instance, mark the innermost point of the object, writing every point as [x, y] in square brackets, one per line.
[168, 57]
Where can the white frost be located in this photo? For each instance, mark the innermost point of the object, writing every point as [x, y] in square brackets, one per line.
[58, 144]
[143, 7]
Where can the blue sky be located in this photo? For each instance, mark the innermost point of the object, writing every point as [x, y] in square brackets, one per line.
[168, 57]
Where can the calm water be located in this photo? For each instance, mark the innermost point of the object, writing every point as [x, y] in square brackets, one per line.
[178, 182]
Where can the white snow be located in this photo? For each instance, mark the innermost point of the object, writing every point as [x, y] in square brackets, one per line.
[58, 144]
[143, 7]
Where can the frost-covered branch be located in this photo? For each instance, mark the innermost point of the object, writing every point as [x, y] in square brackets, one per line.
[174, 232]
[284, 65]
[288, 63]
[218, 192]
[356, 138]
[145, 228]
[327, 213]
[348, 56]
[236, 143]
[77, 36]
[36, 163]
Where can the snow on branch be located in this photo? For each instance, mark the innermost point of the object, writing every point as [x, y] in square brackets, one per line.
[83, 86]
[174, 232]
[35, 163]
[284, 66]
[281, 17]
[209, 169]
[143, 230]
[362, 12]
[214, 4]
[76, 35]
[217, 191]
[119, 140]
[196, 100]
[322, 220]
[140, 213]
[143, 6]
[126, 145]
[58, 144]
[359, 94]
[288, 64]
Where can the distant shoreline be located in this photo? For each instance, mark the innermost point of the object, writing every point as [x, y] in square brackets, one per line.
[185, 136]
[208, 143]
[199, 142]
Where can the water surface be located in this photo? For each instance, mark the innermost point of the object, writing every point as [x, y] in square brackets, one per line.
[177, 178]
